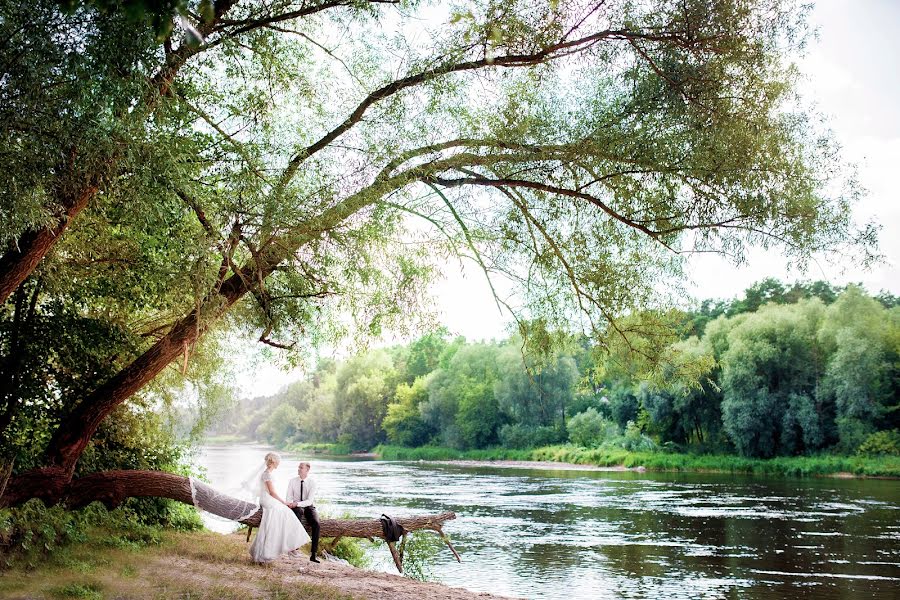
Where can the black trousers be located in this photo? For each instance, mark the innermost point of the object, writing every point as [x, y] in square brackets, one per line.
[309, 515]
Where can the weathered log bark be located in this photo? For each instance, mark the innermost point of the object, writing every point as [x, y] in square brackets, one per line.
[114, 487]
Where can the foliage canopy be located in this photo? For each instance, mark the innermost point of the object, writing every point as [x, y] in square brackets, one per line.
[302, 168]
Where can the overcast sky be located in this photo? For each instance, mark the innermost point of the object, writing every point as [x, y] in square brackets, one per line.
[853, 72]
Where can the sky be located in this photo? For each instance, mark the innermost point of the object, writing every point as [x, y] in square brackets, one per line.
[852, 75]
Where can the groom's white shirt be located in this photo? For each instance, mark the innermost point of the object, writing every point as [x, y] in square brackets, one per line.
[309, 491]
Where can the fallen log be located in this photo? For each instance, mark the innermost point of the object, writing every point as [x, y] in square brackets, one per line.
[371, 529]
[113, 487]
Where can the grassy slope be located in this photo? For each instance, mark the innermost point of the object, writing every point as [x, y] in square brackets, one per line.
[170, 565]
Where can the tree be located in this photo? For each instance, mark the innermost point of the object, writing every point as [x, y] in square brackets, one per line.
[685, 407]
[860, 337]
[403, 422]
[425, 354]
[610, 132]
[768, 373]
[363, 388]
[478, 417]
[455, 393]
[281, 425]
[590, 429]
[535, 397]
[761, 292]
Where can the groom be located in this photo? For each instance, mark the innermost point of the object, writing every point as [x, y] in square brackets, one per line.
[300, 497]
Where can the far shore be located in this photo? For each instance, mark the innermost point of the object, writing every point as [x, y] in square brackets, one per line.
[532, 464]
[570, 458]
[561, 466]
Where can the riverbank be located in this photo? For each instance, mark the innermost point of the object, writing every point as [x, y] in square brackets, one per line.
[313, 449]
[617, 459]
[201, 565]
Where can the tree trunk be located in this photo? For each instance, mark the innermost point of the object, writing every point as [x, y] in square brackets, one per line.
[75, 432]
[32, 245]
[20, 261]
[113, 487]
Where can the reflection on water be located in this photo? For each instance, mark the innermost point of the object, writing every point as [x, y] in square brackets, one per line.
[585, 535]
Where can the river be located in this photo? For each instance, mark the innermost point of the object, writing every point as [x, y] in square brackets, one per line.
[576, 535]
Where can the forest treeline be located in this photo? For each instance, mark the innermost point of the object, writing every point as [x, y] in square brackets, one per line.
[784, 370]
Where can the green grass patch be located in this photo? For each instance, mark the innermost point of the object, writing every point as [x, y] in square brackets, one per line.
[214, 566]
[387, 452]
[89, 591]
[225, 438]
[794, 466]
[319, 449]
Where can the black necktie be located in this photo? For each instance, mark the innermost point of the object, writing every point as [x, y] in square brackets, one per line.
[301, 490]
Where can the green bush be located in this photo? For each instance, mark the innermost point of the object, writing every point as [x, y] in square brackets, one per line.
[32, 531]
[519, 436]
[419, 551]
[881, 443]
[353, 550]
[635, 441]
[590, 429]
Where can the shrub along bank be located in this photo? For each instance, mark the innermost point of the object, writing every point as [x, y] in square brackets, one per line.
[884, 466]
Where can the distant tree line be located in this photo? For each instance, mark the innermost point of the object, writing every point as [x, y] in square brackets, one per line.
[781, 371]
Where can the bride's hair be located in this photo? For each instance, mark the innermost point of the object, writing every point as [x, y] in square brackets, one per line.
[272, 459]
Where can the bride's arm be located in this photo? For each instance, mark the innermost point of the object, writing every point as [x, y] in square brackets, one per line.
[273, 493]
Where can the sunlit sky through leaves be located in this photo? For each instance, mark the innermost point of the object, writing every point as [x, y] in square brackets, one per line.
[852, 77]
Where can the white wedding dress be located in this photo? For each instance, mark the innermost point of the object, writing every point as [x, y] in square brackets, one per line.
[279, 531]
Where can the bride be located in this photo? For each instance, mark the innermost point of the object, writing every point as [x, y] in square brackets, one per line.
[279, 531]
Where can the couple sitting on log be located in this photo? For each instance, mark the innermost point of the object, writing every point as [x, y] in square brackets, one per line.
[281, 528]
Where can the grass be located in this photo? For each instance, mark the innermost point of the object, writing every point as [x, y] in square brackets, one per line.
[225, 438]
[195, 565]
[795, 466]
[319, 449]
[386, 452]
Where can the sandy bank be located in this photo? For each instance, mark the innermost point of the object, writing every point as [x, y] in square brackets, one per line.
[244, 577]
[208, 566]
[361, 583]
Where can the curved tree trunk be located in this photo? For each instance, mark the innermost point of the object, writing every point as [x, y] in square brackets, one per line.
[113, 487]
[20, 261]
[33, 244]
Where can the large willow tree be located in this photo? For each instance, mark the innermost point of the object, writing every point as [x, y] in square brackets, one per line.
[280, 165]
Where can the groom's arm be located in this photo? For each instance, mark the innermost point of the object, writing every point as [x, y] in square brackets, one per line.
[290, 492]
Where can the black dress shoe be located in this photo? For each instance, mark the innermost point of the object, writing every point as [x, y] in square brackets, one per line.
[313, 559]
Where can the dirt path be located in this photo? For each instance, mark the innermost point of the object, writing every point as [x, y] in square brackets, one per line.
[370, 584]
[232, 573]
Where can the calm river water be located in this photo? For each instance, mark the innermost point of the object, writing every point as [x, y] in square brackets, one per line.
[554, 534]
